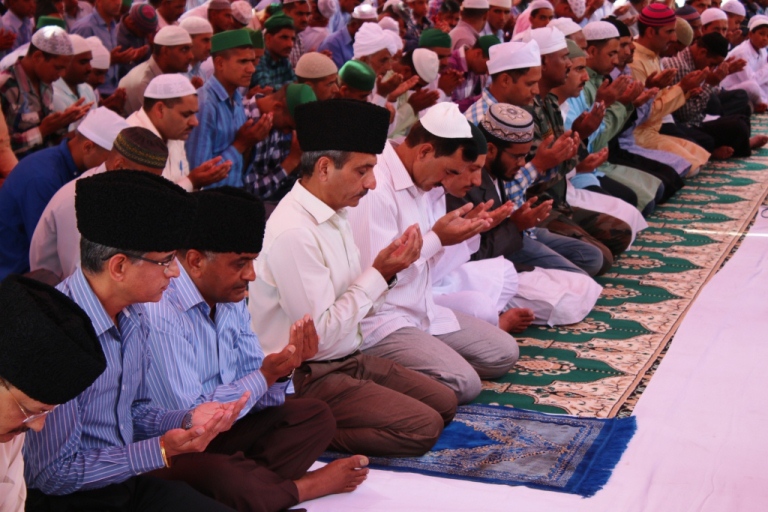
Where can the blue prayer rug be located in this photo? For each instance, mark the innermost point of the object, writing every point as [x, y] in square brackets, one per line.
[501, 445]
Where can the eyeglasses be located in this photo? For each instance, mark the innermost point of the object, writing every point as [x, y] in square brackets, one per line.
[28, 415]
[517, 157]
[166, 263]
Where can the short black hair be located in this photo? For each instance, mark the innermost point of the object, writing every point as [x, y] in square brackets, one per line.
[450, 6]
[32, 49]
[514, 74]
[599, 43]
[473, 14]
[168, 102]
[443, 147]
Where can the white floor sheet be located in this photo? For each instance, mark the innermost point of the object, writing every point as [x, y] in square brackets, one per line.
[702, 440]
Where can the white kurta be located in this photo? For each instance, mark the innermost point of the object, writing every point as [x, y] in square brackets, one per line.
[13, 490]
[310, 264]
[55, 243]
[177, 167]
[382, 216]
[754, 77]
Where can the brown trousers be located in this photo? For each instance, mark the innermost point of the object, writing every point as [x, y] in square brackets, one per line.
[252, 467]
[381, 407]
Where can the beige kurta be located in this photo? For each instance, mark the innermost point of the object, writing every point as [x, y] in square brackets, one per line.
[667, 101]
[8, 159]
[13, 491]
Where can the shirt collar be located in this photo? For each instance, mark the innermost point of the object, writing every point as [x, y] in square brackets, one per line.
[400, 177]
[642, 50]
[68, 160]
[186, 290]
[312, 204]
[100, 21]
[82, 294]
[221, 93]
[146, 122]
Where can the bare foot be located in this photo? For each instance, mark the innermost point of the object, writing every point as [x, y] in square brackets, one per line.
[516, 319]
[343, 475]
[722, 153]
[758, 141]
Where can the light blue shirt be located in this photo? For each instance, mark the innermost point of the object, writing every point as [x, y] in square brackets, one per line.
[109, 433]
[220, 117]
[340, 45]
[196, 359]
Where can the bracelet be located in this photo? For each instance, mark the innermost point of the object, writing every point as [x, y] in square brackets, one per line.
[166, 461]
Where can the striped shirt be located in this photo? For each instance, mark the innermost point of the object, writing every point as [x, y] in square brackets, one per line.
[383, 215]
[478, 109]
[196, 359]
[109, 433]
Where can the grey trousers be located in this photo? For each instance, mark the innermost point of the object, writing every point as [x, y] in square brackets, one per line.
[459, 359]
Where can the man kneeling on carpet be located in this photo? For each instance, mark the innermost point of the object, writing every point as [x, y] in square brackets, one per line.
[203, 349]
[311, 264]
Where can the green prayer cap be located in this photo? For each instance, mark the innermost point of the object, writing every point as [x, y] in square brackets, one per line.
[485, 43]
[277, 22]
[230, 39]
[574, 51]
[358, 75]
[479, 138]
[257, 38]
[127, 3]
[275, 8]
[298, 94]
[434, 37]
[50, 21]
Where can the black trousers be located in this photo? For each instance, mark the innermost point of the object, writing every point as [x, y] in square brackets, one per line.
[669, 178]
[138, 494]
[613, 188]
[728, 103]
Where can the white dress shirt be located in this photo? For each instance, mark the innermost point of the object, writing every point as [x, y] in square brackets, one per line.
[177, 167]
[310, 264]
[382, 216]
[13, 491]
[754, 73]
[55, 243]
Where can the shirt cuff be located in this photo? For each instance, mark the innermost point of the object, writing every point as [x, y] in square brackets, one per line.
[431, 245]
[172, 420]
[145, 456]
[256, 384]
[186, 184]
[372, 283]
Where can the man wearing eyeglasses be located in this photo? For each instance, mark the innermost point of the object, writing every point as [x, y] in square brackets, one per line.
[98, 447]
[49, 354]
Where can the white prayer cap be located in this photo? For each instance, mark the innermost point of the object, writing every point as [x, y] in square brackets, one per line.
[53, 40]
[101, 56]
[314, 65]
[397, 42]
[242, 11]
[549, 39]
[540, 4]
[79, 44]
[327, 7]
[426, 63]
[388, 23]
[504, 4]
[446, 120]
[565, 25]
[756, 21]
[172, 35]
[390, 3]
[599, 30]
[475, 4]
[369, 40]
[513, 55]
[169, 85]
[365, 12]
[579, 7]
[195, 25]
[101, 127]
[713, 14]
[734, 7]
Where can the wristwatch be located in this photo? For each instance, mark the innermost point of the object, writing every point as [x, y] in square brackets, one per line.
[186, 422]
[392, 282]
[286, 378]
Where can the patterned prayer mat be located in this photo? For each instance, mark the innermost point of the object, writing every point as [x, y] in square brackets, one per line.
[510, 446]
[592, 368]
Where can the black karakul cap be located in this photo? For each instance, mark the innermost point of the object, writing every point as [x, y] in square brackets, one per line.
[48, 347]
[228, 220]
[342, 125]
[134, 211]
